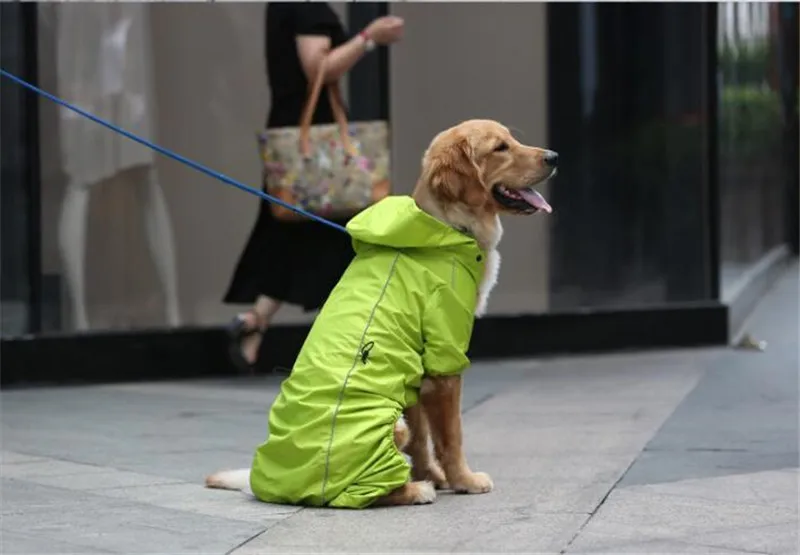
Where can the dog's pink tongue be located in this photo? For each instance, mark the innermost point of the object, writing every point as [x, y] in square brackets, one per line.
[536, 200]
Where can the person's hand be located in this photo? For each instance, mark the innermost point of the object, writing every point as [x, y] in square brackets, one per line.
[385, 30]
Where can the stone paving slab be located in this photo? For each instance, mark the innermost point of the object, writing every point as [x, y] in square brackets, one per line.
[663, 547]
[754, 512]
[777, 539]
[107, 478]
[18, 543]
[454, 523]
[773, 488]
[9, 458]
[49, 467]
[45, 514]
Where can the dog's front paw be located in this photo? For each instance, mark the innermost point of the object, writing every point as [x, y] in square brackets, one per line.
[475, 482]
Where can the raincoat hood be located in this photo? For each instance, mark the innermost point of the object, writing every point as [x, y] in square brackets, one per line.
[397, 222]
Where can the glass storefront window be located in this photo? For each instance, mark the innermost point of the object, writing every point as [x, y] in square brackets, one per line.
[131, 239]
[753, 117]
[628, 99]
[134, 240]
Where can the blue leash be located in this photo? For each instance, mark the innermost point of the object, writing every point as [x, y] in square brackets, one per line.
[168, 153]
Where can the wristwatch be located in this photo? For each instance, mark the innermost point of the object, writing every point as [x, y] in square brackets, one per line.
[369, 44]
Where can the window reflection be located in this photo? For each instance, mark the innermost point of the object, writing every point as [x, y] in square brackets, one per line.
[627, 99]
[751, 126]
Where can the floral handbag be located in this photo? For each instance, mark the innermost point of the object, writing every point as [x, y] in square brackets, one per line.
[332, 170]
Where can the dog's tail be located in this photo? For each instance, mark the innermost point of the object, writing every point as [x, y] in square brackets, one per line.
[237, 480]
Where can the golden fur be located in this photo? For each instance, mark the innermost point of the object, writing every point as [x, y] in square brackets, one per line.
[461, 171]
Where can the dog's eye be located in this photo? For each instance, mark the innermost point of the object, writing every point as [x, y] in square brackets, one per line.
[501, 147]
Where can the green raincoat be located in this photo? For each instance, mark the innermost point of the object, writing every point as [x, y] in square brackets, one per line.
[403, 308]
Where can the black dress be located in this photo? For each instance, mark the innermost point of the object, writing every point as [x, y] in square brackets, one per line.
[295, 262]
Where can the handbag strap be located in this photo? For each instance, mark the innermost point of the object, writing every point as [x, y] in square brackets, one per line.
[335, 98]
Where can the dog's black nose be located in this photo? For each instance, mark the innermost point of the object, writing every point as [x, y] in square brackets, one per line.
[551, 158]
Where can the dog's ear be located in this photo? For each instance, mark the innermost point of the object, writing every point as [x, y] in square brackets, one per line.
[452, 174]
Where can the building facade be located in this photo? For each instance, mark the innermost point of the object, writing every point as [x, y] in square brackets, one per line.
[675, 206]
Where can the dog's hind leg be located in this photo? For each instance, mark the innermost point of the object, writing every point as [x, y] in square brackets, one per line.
[401, 434]
[412, 493]
[424, 465]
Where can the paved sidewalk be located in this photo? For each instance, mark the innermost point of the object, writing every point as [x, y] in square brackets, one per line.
[691, 451]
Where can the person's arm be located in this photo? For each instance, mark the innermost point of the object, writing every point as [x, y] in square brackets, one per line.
[312, 49]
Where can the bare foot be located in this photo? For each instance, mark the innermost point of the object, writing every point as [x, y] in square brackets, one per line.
[247, 332]
[251, 343]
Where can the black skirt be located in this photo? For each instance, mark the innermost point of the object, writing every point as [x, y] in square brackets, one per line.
[295, 262]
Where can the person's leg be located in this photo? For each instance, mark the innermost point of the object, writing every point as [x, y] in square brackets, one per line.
[257, 319]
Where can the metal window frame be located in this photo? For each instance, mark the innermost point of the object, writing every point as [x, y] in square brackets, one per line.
[24, 16]
[368, 81]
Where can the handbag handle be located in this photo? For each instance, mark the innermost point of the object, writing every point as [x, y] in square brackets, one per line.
[335, 98]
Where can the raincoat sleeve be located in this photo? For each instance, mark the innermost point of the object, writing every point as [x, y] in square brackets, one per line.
[446, 331]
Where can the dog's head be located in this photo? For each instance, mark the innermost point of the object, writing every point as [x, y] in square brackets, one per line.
[480, 166]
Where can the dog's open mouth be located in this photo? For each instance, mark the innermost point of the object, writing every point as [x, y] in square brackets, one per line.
[526, 200]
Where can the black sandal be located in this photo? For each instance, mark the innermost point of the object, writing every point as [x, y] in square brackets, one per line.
[239, 330]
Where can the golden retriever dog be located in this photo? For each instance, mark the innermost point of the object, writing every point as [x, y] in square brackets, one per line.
[471, 174]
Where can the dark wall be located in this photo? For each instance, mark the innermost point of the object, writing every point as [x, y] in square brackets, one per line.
[627, 112]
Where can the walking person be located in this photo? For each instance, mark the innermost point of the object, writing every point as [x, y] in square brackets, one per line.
[296, 262]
